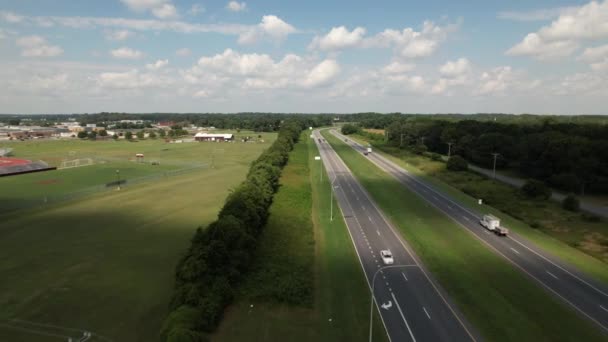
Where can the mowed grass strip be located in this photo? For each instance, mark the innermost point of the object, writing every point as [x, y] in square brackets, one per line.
[106, 263]
[302, 255]
[502, 303]
[558, 242]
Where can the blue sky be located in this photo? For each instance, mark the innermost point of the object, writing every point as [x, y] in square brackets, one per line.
[305, 56]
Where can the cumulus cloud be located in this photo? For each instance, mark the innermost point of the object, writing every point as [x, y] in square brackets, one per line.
[456, 68]
[119, 35]
[37, 46]
[495, 81]
[183, 52]
[564, 35]
[126, 53]
[594, 54]
[260, 71]
[398, 68]
[407, 43]
[236, 6]
[271, 27]
[338, 38]
[11, 17]
[159, 64]
[534, 45]
[133, 79]
[162, 9]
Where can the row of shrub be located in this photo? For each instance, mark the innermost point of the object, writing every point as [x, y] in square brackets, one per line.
[219, 255]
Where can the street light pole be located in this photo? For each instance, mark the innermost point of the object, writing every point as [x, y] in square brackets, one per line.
[449, 149]
[494, 169]
[331, 199]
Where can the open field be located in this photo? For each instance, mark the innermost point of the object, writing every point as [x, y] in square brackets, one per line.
[570, 236]
[299, 240]
[106, 263]
[502, 303]
[39, 188]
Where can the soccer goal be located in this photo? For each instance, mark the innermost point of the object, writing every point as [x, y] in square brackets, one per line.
[66, 164]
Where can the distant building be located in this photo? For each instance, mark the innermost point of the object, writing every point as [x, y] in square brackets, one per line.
[213, 137]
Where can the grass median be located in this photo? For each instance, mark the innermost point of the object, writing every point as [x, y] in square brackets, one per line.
[301, 244]
[498, 299]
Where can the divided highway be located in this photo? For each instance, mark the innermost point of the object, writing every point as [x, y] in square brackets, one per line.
[588, 297]
[412, 306]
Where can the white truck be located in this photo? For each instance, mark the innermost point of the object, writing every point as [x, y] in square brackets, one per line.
[492, 223]
[368, 151]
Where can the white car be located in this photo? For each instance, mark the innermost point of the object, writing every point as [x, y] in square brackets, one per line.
[387, 257]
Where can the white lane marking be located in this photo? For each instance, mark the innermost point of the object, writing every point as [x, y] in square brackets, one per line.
[436, 199]
[387, 283]
[426, 312]
[449, 206]
[363, 207]
[402, 316]
[603, 308]
[370, 219]
[558, 266]
[514, 250]
[553, 275]
[377, 231]
[466, 218]
[404, 277]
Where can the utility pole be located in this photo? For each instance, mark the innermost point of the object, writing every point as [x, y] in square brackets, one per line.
[449, 149]
[494, 172]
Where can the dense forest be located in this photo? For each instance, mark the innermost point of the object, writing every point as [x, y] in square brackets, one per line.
[569, 155]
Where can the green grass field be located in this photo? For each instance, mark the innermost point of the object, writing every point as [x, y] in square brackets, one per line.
[564, 234]
[300, 233]
[39, 188]
[106, 263]
[502, 303]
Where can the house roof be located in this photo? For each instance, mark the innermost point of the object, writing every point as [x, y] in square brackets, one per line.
[214, 135]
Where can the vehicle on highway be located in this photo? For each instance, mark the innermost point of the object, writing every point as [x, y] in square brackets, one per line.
[369, 150]
[492, 223]
[387, 257]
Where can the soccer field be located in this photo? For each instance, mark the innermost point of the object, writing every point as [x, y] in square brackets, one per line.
[105, 263]
[113, 161]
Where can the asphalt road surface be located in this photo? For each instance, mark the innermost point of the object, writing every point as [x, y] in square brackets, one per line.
[411, 304]
[582, 293]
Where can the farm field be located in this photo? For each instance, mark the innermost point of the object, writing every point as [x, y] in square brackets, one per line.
[303, 256]
[105, 263]
[109, 156]
[476, 279]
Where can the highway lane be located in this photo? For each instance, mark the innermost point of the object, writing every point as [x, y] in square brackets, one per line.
[411, 304]
[585, 295]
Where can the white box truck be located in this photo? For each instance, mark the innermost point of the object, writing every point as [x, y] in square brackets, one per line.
[492, 223]
[368, 151]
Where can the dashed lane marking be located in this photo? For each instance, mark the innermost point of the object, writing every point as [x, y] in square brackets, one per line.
[553, 275]
[426, 312]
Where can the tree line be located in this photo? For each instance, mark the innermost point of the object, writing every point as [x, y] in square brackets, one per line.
[220, 254]
[569, 156]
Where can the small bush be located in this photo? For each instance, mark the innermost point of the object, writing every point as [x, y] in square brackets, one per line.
[457, 163]
[590, 217]
[536, 225]
[536, 189]
[571, 203]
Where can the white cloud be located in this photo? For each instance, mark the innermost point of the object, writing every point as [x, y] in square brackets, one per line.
[453, 69]
[407, 43]
[183, 52]
[564, 35]
[11, 17]
[133, 79]
[201, 94]
[196, 9]
[534, 45]
[159, 64]
[594, 54]
[322, 73]
[398, 68]
[126, 53]
[166, 11]
[495, 81]
[236, 6]
[338, 38]
[36, 46]
[162, 9]
[271, 27]
[119, 35]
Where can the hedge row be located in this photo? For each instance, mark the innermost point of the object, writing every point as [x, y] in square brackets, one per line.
[220, 254]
